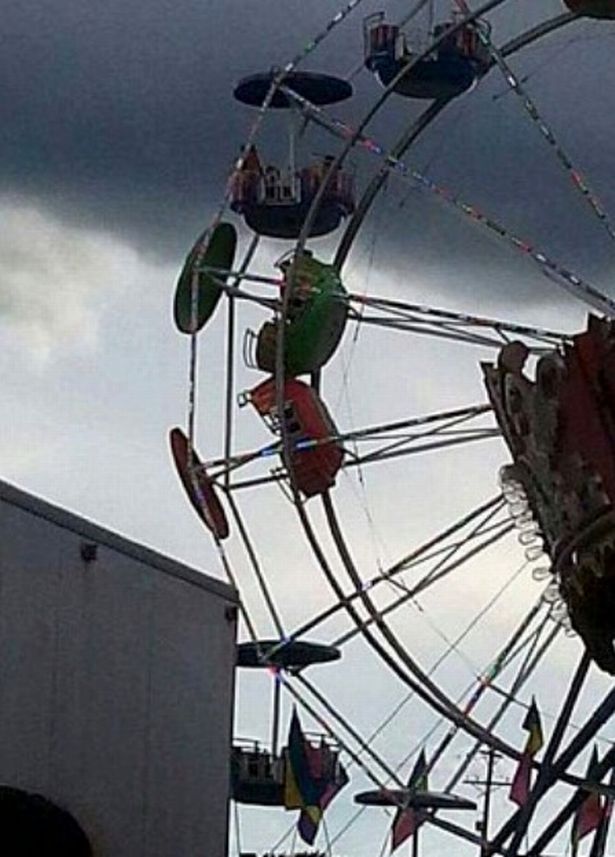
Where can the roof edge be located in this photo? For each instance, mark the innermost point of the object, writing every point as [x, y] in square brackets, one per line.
[96, 533]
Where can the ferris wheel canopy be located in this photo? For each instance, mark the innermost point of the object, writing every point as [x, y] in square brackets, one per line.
[417, 800]
[290, 654]
[316, 87]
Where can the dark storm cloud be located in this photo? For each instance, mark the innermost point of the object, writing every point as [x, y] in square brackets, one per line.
[122, 113]
[121, 116]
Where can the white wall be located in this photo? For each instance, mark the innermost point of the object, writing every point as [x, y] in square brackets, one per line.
[116, 680]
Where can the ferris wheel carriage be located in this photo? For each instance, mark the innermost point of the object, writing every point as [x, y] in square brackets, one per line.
[465, 42]
[381, 41]
[257, 776]
[448, 71]
[275, 200]
[315, 455]
[560, 429]
[592, 8]
[315, 321]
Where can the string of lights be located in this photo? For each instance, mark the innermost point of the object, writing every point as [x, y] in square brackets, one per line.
[516, 86]
[561, 275]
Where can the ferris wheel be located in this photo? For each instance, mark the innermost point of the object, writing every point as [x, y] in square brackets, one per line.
[348, 501]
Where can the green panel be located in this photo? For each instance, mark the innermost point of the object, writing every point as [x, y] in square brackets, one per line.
[315, 323]
[315, 330]
[220, 253]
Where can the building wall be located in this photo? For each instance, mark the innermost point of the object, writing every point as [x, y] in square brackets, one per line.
[116, 680]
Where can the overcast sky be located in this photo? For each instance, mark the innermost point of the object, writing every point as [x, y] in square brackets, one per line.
[118, 132]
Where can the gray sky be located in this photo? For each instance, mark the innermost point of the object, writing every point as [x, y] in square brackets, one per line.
[118, 132]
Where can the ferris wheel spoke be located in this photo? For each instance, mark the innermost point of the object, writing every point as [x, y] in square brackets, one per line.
[363, 745]
[559, 274]
[407, 668]
[530, 662]
[505, 658]
[394, 450]
[442, 425]
[426, 582]
[353, 460]
[417, 126]
[422, 329]
[485, 682]
[530, 108]
[485, 527]
[435, 315]
[256, 566]
[418, 555]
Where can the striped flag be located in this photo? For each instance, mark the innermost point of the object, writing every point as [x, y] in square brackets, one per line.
[589, 814]
[313, 777]
[520, 786]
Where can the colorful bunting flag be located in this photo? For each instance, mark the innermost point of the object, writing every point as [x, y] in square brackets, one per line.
[407, 819]
[299, 786]
[589, 814]
[520, 786]
[313, 777]
[602, 831]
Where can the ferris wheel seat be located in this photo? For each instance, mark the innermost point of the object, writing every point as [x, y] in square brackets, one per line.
[281, 220]
[560, 430]
[445, 76]
[315, 87]
[317, 312]
[290, 654]
[275, 203]
[316, 456]
[257, 776]
[202, 497]
[419, 800]
[592, 8]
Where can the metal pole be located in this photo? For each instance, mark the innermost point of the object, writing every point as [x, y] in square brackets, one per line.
[275, 726]
[491, 754]
[415, 842]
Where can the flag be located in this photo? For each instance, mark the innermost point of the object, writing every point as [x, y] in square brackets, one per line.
[520, 786]
[300, 791]
[407, 819]
[589, 814]
[330, 780]
[312, 778]
[602, 831]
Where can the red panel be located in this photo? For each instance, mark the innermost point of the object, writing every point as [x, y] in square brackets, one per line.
[215, 519]
[587, 406]
[314, 469]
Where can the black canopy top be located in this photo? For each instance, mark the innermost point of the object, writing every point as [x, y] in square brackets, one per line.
[313, 86]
